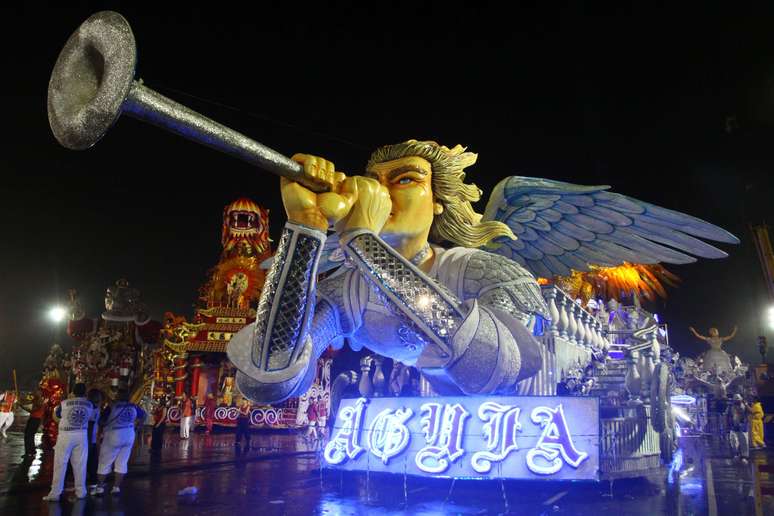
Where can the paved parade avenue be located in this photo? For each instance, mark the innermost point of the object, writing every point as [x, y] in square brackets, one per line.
[280, 475]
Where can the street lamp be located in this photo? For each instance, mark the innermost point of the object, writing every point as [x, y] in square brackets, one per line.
[57, 314]
[770, 317]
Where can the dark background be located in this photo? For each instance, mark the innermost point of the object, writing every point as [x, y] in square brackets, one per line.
[676, 108]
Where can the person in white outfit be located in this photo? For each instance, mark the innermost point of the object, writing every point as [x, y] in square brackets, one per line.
[187, 412]
[117, 422]
[7, 401]
[72, 443]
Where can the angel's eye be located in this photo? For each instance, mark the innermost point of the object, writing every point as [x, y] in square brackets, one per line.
[404, 180]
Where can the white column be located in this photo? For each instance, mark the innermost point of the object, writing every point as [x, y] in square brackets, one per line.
[553, 311]
[580, 334]
[572, 326]
[563, 318]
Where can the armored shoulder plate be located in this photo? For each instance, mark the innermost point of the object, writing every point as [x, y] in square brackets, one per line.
[502, 283]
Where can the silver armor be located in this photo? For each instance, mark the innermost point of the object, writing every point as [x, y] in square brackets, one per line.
[462, 324]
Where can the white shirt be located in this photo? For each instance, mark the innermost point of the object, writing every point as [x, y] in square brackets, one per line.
[75, 414]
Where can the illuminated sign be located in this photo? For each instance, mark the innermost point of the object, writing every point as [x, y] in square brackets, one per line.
[528, 437]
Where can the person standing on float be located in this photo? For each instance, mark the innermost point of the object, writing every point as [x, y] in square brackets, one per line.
[756, 424]
[72, 444]
[737, 422]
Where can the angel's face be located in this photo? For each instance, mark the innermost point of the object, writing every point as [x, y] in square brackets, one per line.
[409, 181]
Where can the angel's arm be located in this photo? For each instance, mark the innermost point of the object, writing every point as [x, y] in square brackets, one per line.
[697, 334]
[475, 343]
[732, 335]
[276, 355]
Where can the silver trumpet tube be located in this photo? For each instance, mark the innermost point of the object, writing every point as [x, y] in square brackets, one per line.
[93, 84]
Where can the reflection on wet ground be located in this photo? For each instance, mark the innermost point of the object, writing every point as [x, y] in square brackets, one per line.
[281, 475]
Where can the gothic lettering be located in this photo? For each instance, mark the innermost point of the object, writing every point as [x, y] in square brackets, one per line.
[443, 433]
[346, 443]
[388, 434]
[500, 427]
[555, 446]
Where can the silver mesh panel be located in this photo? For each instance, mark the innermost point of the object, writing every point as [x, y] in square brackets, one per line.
[280, 322]
[391, 274]
[293, 309]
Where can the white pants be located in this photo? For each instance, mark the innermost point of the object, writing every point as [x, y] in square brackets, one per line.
[115, 450]
[185, 426]
[73, 448]
[6, 420]
[740, 443]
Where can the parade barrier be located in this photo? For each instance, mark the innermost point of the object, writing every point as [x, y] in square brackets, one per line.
[227, 416]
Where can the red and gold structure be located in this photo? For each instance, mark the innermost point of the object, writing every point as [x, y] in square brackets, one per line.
[195, 351]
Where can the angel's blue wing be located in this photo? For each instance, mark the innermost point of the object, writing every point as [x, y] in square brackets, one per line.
[332, 255]
[560, 226]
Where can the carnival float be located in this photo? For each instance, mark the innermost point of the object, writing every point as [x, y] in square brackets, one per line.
[518, 378]
[192, 358]
[110, 350]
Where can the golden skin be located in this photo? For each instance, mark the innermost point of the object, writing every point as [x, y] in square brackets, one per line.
[394, 200]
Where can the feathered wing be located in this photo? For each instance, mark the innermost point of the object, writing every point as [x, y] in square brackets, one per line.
[562, 227]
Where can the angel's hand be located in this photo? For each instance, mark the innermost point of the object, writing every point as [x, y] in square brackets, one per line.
[371, 208]
[311, 209]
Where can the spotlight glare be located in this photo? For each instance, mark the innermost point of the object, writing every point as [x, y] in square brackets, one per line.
[57, 314]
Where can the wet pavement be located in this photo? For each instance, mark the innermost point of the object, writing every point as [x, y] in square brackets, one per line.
[280, 475]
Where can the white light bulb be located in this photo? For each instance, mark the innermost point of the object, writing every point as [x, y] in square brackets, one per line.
[57, 314]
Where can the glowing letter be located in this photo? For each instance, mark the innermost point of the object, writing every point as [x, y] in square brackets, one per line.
[554, 440]
[502, 423]
[389, 435]
[443, 434]
[346, 443]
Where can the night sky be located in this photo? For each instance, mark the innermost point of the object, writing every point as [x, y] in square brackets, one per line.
[676, 108]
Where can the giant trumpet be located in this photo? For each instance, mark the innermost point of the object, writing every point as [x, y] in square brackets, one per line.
[92, 84]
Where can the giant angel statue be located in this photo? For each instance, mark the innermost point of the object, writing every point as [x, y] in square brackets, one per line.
[459, 314]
